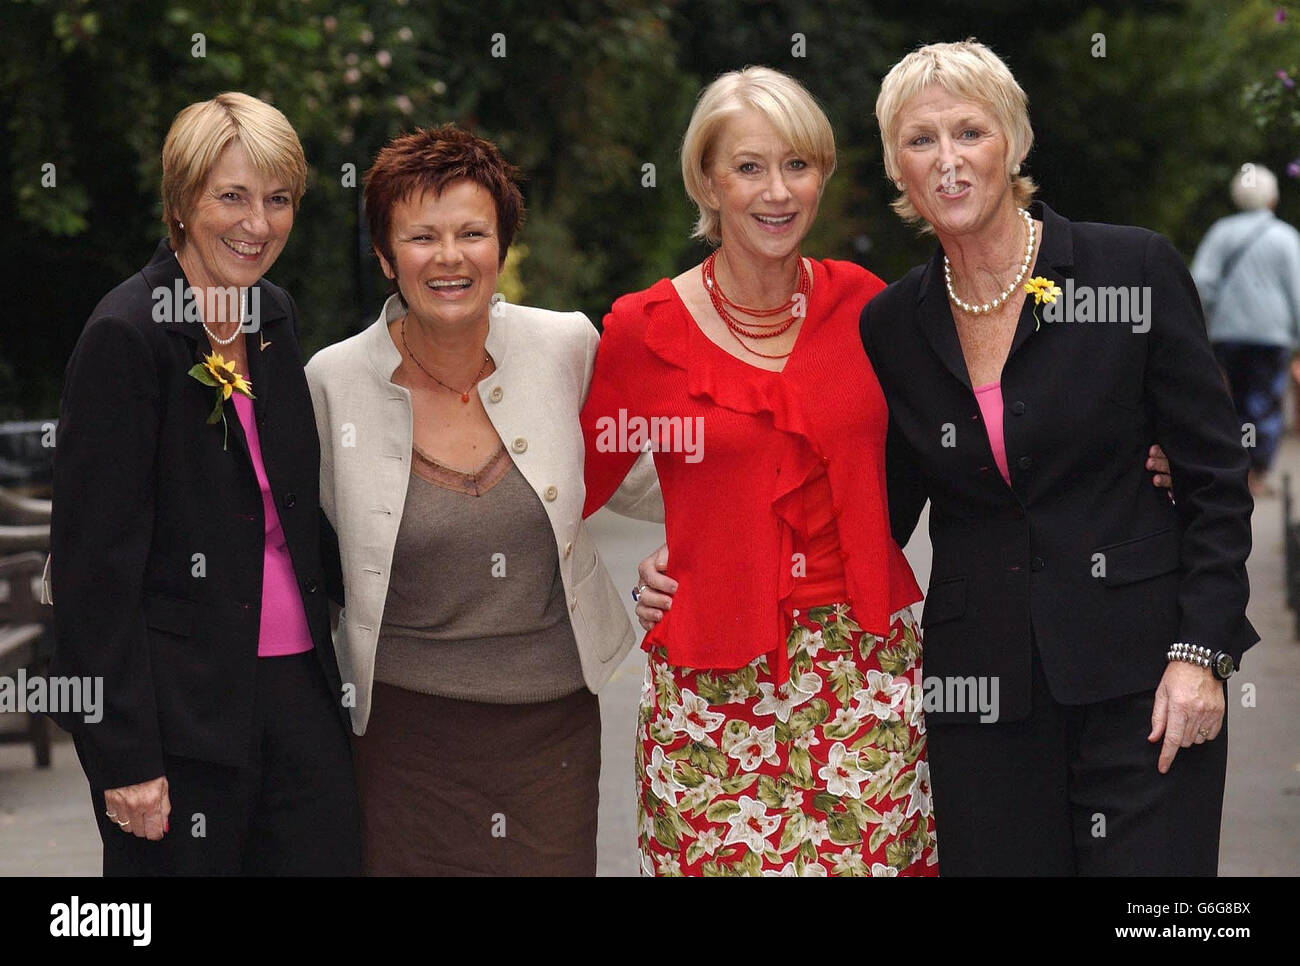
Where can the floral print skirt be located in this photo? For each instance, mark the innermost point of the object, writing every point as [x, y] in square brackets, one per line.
[824, 775]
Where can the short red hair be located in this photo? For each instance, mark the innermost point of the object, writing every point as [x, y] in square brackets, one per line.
[429, 159]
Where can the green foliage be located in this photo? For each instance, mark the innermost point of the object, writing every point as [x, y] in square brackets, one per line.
[588, 94]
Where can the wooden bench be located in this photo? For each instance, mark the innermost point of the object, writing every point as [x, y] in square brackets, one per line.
[23, 624]
[18, 510]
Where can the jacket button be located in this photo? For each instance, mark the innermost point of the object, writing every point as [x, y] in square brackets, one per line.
[290, 500]
[496, 394]
[1036, 564]
[311, 586]
[1018, 408]
[246, 606]
[550, 493]
[1025, 462]
[519, 445]
[568, 549]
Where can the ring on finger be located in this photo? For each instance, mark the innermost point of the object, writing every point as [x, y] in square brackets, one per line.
[123, 824]
[638, 591]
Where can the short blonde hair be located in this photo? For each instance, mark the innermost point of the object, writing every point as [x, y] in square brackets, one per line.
[968, 70]
[782, 100]
[203, 130]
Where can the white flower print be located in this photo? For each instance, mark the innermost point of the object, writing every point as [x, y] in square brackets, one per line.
[693, 717]
[751, 825]
[693, 798]
[756, 747]
[842, 773]
[842, 665]
[663, 675]
[847, 719]
[883, 696]
[881, 871]
[662, 780]
[712, 786]
[709, 841]
[783, 700]
[892, 821]
[807, 740]
[920, 799]
[849, 862]
[817, 832]
[813, 643]
[793, 800]
[668, 865]
[811, 870]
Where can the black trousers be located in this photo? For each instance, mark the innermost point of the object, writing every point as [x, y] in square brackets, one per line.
[292, 810]
[1073, 790]
[1257, 376]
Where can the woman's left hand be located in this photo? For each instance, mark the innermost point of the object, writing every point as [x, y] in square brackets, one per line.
[1188, 710]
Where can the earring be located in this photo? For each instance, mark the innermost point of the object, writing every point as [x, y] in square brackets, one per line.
[1015, 169]
[180, 224]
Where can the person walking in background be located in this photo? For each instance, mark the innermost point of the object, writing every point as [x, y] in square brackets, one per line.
[1247, 270]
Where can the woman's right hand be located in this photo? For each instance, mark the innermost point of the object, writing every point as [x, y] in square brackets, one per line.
[657, 596]
[141, 810]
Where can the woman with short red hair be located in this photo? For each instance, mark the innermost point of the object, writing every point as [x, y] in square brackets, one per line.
[479, 619]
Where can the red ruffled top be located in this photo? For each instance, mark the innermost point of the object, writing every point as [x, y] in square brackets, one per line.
[740, 489]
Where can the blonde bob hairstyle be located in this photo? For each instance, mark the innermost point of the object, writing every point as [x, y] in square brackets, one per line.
[203, 130]
[972, 72]
[782, 100]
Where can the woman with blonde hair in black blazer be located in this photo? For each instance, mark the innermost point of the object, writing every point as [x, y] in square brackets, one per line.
[1027, 367]
[189, 563]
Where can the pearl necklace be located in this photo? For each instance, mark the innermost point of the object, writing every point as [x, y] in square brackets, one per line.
[1006, 292]
[243, 310]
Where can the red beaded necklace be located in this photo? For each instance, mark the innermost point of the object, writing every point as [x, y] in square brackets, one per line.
[738, 327]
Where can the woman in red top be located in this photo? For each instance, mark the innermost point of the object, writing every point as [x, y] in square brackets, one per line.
[780, 729]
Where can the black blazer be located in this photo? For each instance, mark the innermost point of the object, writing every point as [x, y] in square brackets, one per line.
[1080, 553]
[142, 488]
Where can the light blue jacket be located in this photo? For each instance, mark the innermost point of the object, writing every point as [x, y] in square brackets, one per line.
[1259, 299]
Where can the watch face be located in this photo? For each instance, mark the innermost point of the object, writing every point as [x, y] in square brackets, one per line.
[1223, 665]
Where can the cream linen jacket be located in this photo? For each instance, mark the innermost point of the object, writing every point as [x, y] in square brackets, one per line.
[543, 370]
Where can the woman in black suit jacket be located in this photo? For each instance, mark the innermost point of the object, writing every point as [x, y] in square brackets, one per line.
[222, 706]
[1079, 625]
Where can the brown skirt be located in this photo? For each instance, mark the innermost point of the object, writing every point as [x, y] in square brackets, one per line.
[452, 787]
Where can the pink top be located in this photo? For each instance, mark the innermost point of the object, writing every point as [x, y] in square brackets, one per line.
[990, 399]
[283, 629]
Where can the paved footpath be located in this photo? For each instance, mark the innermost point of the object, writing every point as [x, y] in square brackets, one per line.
[46, 826]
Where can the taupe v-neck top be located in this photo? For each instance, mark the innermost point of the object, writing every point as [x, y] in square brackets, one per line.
[475, 607]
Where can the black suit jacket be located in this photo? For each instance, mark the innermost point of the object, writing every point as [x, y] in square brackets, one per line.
[1080, 553]
[157, 532]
